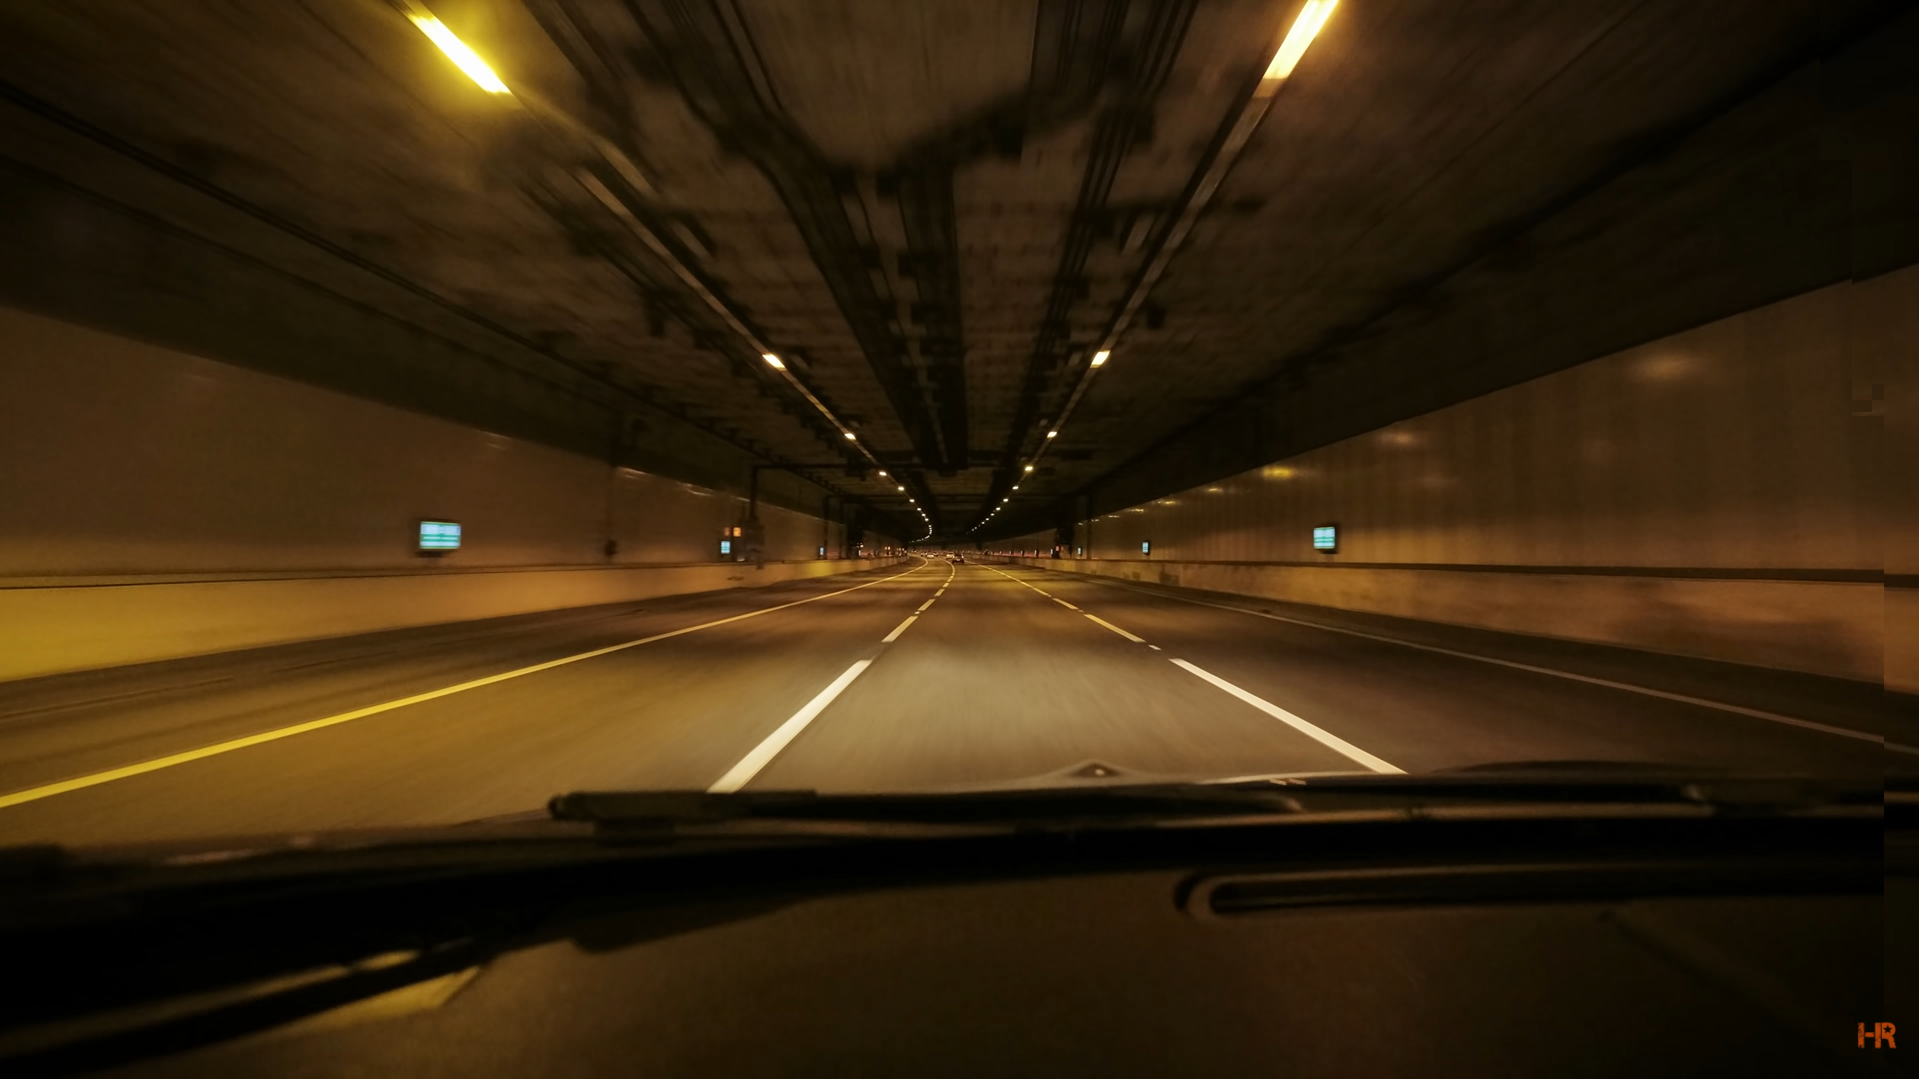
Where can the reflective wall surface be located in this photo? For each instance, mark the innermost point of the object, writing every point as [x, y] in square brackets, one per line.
[128, 458]
[1724, 492]
[1737, 445]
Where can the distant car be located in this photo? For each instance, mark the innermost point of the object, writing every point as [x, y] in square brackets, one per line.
[958, 558]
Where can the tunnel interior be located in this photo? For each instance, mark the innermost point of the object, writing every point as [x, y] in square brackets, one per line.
[1067, 537]
[1466, 386]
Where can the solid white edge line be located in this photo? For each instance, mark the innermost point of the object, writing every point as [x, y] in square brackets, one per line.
[1323, 737]
[899, 629]
[1702, 702]
[750, 765]
[94, 779]
[1116, 629]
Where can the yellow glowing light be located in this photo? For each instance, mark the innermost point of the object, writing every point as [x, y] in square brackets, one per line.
[849, 435]
[1101, 356]
[1052, 434]
[1305, 28]
[1029, 468]
[457, 51]
[774, 362]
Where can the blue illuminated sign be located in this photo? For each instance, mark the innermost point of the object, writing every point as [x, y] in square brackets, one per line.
[1146, 547]
[1326, 538]
[726, 546]
[439, 535]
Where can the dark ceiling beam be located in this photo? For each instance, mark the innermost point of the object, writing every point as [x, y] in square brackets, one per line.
[1124, 123]
[925, 196]
[702, 46]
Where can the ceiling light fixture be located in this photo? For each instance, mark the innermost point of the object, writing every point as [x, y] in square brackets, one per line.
[1305, 28]
[456, 50]
[1100, 357]
[1029, 468]
[849, 435]
[772, 361]
[1052, 434]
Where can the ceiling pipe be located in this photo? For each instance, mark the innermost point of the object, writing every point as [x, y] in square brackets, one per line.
[1198, 196]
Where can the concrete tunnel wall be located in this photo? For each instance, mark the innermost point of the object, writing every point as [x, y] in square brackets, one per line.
[155, 504]
[1716, 493]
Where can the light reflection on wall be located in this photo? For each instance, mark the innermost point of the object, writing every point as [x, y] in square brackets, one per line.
[1717, 447]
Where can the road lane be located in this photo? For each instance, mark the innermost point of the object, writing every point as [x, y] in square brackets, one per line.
[998, 684]
[974, 675]
[675, 713]
[1425, 710]
[749, 766]
[71, 725]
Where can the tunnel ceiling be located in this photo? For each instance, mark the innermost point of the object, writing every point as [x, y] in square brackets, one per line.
[933, 213]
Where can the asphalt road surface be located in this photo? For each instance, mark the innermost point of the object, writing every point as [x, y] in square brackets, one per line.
[925, 674]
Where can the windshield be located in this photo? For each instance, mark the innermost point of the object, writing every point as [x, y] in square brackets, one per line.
[411, 413]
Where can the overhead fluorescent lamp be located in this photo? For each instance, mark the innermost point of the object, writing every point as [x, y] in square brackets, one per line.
[772, 361]
[1100, 356]
[457, 51]
[1305, 28]
[1029, 468]
[849, 435]
[1052, 434]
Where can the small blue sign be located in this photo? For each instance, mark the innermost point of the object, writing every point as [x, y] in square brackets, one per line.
[439, 535]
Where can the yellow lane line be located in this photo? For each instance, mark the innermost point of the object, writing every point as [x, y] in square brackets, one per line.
[34, 794]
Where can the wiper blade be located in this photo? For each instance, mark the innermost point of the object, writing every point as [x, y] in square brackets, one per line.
[673, 810]
[806, 812]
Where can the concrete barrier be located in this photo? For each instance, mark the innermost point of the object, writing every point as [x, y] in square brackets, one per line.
[1835, 628]
[1902, 640]
[50, 628]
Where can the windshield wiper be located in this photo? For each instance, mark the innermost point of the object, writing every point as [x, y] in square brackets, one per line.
[809, 812]
[909, 815]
